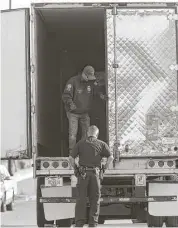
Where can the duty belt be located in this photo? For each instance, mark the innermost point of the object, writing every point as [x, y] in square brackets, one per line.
[90, 168]
[82, 171]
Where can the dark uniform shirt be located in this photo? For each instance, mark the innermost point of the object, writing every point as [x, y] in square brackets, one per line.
[80, 93]
[90, 152]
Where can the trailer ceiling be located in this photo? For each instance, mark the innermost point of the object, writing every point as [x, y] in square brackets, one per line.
[66, 18]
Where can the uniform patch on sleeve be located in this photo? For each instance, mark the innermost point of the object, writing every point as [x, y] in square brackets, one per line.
[68, 87]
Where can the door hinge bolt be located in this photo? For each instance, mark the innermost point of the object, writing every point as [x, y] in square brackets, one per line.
[32, 66]
[32, 17]
[33, 109]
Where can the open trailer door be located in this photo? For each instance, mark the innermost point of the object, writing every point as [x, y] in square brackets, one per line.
[16, 105]
[142, 81]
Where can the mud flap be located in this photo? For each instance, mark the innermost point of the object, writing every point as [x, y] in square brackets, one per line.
[160, 189]
[58, 211]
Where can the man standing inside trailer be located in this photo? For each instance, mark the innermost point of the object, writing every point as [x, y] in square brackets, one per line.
[77, 97]
[90, 152]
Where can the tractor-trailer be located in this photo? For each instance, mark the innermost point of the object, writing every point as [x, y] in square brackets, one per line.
[134, 49]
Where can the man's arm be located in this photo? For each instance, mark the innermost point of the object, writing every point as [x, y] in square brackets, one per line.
[72, 161]
[99, 90]
[109, 160]
[108, 154]
[67, 96]
[73, 155]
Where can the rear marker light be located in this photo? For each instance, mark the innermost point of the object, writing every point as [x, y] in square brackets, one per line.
[45, 165]
[170, 163]
[151, 163]
[161, 163]
[65, 164]
[55, 164]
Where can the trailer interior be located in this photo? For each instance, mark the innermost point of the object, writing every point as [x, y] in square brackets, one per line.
[66, 41]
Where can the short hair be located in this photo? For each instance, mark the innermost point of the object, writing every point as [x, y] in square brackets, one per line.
[93, 131]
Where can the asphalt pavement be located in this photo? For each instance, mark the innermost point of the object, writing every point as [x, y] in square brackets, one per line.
[24, 215]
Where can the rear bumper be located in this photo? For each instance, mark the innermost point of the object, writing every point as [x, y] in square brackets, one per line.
[113, 172]
[112, 200]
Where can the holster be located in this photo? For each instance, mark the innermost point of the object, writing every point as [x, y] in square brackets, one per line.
[80, 171]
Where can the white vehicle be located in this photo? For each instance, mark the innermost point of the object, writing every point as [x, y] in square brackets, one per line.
[8, 190]
[135, 46]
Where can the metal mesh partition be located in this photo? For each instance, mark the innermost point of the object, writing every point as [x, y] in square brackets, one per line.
[146, 91]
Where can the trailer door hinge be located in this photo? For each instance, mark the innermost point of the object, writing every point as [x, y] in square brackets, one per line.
[32, 67]
[31, 18]
[33, 109]
[115, 65]
[114, 9]
[172, 17]
[174, 67]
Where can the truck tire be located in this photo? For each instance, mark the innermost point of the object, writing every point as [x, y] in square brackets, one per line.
[64, 223]
[41, 221]
[155, 221]
[172, 221]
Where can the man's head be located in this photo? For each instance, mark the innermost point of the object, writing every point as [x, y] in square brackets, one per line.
[93, 131]
[88, 73]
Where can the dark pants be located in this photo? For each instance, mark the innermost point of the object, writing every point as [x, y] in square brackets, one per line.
[90, 186]
[74, 121]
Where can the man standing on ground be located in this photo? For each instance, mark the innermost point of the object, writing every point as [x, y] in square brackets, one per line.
[77, 97]
[90, 152]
